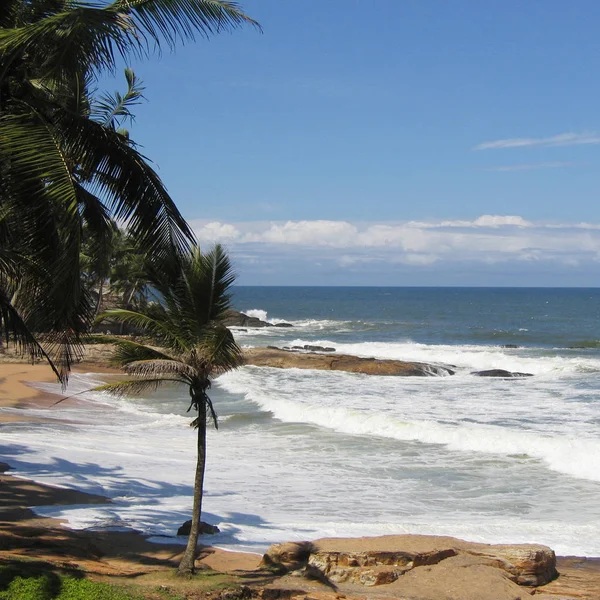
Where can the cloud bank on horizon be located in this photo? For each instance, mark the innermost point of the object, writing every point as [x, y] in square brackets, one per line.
[563, 139]
[489, 250]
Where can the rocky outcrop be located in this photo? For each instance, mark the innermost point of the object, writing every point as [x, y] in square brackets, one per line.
[307, 347]
[282, 359]
[310, 348]
[500, 373]
[235, 318]
[415, 563]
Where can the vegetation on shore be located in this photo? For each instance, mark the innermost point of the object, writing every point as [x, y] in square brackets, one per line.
[29, 580]
[68, 169]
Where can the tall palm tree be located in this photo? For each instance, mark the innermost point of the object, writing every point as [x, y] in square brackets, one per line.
[64, 163]
[197, 346]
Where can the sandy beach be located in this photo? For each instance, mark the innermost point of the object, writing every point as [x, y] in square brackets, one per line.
[23, 534]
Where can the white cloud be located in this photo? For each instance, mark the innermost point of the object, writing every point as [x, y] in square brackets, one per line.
[282, 251]
[416, 259]
[488, 221]
[528, 167]
[215, 232]
[500, 221]
[347, 260]
[313, 233]
[563, 139]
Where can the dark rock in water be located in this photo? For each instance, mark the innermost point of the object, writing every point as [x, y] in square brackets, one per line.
[205, 528]
[509, 346]
[239, 319]
[235, 318]
[585, 344]
[312, 348]
[500, 373]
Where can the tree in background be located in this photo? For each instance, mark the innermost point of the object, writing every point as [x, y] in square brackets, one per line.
[197, 346]
[117, 277]
[66, 165]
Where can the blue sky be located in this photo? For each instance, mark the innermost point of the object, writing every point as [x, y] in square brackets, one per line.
[391, 142]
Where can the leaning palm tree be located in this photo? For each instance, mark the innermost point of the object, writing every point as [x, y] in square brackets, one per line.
[193, 346]
[63, 162]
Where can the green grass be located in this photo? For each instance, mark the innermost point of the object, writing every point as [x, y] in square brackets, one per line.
[24, 579]
[23, 582]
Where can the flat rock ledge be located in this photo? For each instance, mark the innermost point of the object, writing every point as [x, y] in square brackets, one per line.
[285, 359]
[418, 566]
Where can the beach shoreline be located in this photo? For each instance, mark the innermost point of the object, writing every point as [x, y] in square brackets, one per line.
[124, 553]
[102, 553]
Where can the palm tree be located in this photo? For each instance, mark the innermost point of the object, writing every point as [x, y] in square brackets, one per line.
[64, 162]
[197, 346]
[129, 274]
[119, 269]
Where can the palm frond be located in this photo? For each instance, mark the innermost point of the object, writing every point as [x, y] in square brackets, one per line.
[212, 412]
[15, 330]
[9, 11]
[99, 230]
[127, 352]
[218, 349]
[81, 39]
[174, 20]
[50, 297]
[133, 192]
[64, 348]
[151, 325]
[112, 109]
[135, 387]
[195, 292]
[147, 368]
[38, 163]
[217, 263]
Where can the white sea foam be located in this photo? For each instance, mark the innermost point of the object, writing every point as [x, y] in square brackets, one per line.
[467, 357]
[263, 316]
[306, 324]
[257, 313]
[345, 455]
[338, 405]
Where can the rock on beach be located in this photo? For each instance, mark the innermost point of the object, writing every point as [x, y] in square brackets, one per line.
[419, 566]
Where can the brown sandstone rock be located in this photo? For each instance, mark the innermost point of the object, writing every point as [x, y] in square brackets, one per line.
[373, 567]
[283, 359]
[290, 555]
[388, 559]
[459, 577]
[529, 564]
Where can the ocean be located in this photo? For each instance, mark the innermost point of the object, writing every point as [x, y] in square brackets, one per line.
[305, 454]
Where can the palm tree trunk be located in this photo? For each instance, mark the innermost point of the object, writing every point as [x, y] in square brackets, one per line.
[186, 567]
[99, 301]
